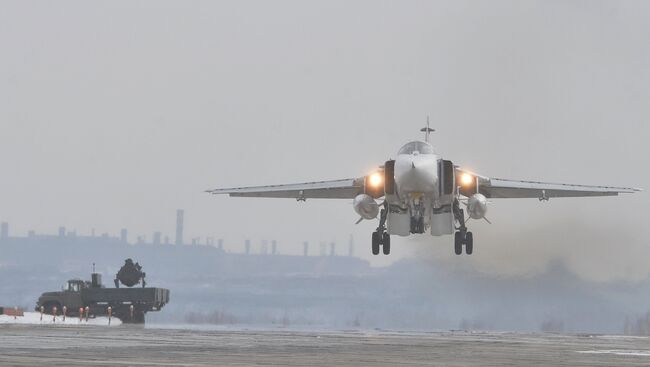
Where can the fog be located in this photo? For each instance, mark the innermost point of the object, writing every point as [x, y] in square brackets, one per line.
[115, 114]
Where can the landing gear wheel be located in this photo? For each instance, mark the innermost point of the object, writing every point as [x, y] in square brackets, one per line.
[376, 239]
[469, 243]
[386, 243]
[458, 243]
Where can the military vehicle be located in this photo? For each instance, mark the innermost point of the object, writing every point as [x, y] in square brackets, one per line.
[127, 304]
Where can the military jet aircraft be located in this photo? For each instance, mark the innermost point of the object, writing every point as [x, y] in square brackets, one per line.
[422, 192]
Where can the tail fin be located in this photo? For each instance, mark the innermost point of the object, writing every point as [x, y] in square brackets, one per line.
[427, 130]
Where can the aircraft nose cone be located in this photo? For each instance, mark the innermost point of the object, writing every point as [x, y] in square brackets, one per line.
[416, 174]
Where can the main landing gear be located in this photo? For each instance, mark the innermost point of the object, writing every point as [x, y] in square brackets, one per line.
[462, 236]
[380, 237]
[461, 239]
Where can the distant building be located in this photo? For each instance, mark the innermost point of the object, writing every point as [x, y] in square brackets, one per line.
[179, 226]
[156, 238]
[305, 248]
[123, 235]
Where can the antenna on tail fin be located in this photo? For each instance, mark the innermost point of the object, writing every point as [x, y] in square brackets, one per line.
[427, 130]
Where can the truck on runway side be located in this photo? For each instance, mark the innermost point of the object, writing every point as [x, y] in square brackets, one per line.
[127, 304]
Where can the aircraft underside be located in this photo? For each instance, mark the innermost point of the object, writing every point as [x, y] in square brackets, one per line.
[420, 218]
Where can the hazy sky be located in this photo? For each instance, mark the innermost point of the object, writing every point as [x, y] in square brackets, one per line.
[114, 114]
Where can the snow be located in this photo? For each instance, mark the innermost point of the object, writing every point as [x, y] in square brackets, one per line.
[34, 318]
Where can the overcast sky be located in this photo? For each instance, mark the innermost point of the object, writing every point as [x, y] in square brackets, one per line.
[115, 114]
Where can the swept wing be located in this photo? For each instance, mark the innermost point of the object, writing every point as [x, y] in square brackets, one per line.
[493, 187]
[334, 189]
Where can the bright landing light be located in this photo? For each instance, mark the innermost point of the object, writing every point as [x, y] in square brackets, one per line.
[466, 179]
[375, 179]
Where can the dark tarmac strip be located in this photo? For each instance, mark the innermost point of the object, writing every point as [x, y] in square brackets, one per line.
[22, 345]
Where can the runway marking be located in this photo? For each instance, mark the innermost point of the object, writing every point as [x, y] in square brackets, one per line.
[618, 352]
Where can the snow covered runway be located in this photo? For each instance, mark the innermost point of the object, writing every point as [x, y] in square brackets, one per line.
[37, 345]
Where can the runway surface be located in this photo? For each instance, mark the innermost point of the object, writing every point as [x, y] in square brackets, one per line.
[22, 345]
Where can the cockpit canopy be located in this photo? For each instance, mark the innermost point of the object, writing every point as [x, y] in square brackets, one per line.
[416, 146]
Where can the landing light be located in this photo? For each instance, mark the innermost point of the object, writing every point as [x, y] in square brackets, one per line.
[466, 179]
[375, 180]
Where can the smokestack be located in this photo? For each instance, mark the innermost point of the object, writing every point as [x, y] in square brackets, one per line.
[274, 247]
[123, 235]
[4, 230]
[305, 248]
[332, 249]
[179, 226]
[247, 247]
[156, 238]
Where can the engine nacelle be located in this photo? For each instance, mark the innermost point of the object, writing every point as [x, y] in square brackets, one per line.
[477, 206]
[365, 206]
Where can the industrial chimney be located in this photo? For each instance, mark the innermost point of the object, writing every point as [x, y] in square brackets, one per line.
[179, 226]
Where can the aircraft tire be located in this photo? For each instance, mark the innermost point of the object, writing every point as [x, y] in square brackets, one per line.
[458, 243]
[469, 243]
[386, 244]
[375, 243]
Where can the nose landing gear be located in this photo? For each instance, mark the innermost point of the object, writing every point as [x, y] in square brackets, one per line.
[380, 237]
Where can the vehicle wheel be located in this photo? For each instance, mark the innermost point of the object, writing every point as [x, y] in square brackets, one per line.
[458, 243]
[138, 317]
[469, 243]
[375, 243]
[386, 243]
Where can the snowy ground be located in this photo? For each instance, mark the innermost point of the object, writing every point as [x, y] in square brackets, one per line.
[34, 318]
